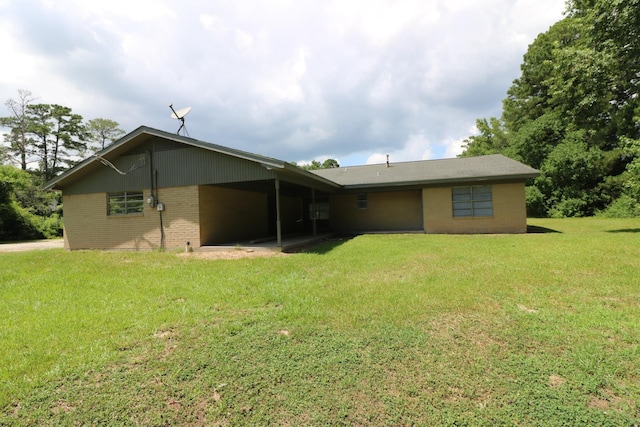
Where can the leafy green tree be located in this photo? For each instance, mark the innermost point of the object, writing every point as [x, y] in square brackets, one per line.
[632, 183]
[536, 139]
[570, 112]
[40, 126]
[570, 178]
[529, 97]
[54, 137]
[16, 222]
[330, 164]
[315, 165]
[59, 135]
[614, 37]
[4, 157]
[491, 139]
[18, 142]
[102, 132]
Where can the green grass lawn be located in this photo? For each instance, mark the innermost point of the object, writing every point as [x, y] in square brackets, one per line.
[536, 329]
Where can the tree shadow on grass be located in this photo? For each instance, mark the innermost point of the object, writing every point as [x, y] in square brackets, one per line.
[535, 229]
[625, 230]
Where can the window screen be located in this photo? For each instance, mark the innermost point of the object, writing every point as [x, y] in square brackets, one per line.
[472, 201]
[125, 203]
[362, 201]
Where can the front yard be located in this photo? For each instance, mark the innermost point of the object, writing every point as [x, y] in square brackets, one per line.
[536, 329]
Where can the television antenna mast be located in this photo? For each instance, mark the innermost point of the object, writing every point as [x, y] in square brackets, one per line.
[138, 164]
[179, 115]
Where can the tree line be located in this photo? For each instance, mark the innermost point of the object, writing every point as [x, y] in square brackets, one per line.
[315, 165]
[42, 141]
[51, 136]
[574, 113]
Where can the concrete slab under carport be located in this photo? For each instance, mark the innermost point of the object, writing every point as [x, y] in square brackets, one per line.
[289, 243]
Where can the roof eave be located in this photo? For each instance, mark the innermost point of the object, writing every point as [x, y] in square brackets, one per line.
[301, 176]
[310, 175]
[447, 181]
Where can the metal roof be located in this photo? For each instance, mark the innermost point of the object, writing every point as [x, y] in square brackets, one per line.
[445, 171]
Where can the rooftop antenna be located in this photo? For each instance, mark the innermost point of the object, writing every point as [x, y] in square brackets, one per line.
[138, 164]
[179, 115]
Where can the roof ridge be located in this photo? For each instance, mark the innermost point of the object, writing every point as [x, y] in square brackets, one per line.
[418, 161]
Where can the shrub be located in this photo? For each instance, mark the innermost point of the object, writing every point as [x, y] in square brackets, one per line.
[16, 223]
[623, 207]
[26, 211]
[51, 226]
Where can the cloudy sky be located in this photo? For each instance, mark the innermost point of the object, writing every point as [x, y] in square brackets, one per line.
[296, 80]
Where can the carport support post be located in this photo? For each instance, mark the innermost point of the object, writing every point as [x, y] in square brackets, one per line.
[278, 225]
[313, 212]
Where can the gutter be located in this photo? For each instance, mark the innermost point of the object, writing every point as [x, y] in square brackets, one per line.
[437, 182]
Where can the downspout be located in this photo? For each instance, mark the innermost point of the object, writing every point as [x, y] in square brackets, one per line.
[278, 224]
[154, 197]
[151, 177]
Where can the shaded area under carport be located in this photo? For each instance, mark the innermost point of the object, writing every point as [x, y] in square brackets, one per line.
[270, 244]
[293, 212]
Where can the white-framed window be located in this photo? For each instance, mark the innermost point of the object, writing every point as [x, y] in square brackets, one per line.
[362, 201]
[125, 203]
[472, 201]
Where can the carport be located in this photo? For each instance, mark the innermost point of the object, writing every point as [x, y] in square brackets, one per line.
[281, 211]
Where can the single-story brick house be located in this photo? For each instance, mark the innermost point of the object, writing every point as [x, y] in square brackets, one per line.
[152, 189]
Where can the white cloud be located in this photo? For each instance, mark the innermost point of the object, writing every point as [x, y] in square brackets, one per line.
[282, 82]
[311, 135]
[417, 147]
[212, 23]
[454, 146]
[289, 79]
[243, 40]
[380, 21]
[22, 66]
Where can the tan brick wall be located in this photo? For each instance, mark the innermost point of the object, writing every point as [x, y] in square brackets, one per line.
[232, 215]
[87, 225]
[229, 216]
[509, 212]
[386, 211]
[181, 217]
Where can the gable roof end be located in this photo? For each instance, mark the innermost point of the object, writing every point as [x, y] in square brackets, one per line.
[143, 133]
[140, 135]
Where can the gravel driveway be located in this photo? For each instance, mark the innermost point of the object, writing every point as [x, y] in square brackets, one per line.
[35, 244]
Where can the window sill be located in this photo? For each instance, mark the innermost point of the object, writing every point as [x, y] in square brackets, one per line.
[467, 218]
[131, 215]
